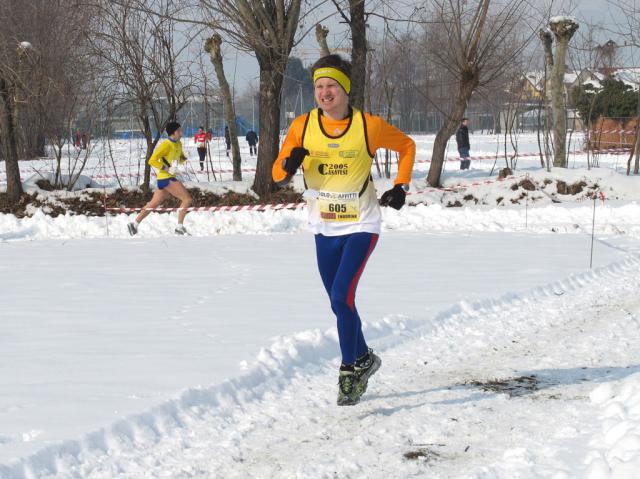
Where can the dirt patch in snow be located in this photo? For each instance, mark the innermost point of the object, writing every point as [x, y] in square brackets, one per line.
[514, 387]
[422, 454]
[93, 203]
[574, 189]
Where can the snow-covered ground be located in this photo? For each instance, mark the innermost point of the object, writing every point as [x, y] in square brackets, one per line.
[215, 355]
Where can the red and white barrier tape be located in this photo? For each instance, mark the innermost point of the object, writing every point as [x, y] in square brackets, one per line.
[525, 155]
[488, 157]
[299, 205]
[608, 132]
[260, 207]
[476, 158]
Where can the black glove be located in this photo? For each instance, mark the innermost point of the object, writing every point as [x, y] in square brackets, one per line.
[394, 197]
[295, 159]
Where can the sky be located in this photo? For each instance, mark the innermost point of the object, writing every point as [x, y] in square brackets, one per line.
[242, 68]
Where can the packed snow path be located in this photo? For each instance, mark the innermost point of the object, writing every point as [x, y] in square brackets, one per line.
[501, 388]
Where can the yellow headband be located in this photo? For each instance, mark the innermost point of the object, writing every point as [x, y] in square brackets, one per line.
[334, 74]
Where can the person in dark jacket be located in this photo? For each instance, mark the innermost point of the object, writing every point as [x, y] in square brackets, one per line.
[252, 139]
[462, 139]
[227, 139]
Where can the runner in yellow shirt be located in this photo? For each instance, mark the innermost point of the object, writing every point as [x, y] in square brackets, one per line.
[166, 158]
[335, 145]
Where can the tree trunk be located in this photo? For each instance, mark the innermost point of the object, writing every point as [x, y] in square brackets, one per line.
[635, 152]
[559, 107]
[212, 47]
[539, 115]
[321, 38]
[9, 145]
[148, 135]
[465, 88]
[563, 29]
[358, 53]
[270, 87]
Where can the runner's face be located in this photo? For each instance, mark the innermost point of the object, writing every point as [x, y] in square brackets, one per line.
[177, 134]
[331, 97]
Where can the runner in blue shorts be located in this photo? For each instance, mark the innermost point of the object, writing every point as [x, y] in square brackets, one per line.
[165, 159]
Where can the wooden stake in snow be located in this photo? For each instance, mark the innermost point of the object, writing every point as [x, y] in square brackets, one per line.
[593, 226]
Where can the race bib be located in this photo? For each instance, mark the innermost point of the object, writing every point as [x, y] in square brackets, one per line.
[344, 207]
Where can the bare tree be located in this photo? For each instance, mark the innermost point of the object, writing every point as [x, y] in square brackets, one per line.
[562, 28]
[212, 47]
[268, 30]
[474, 43]
[9, 83]
[138, 46]
[383, 86]
[43, 71]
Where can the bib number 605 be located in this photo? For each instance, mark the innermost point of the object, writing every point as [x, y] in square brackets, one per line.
[337, 208]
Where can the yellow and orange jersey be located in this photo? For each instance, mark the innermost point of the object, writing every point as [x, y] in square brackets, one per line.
[379, 134]
[337, 171]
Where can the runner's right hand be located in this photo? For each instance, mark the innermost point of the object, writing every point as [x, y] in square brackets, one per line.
[295, 159]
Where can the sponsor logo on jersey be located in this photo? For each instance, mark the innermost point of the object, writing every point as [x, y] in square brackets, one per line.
[348, 153]
[333, 169]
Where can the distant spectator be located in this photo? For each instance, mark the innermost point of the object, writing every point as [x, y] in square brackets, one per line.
[201, 138]
[77, 139]
[85, 140]
[227, 139]
[462, 139]
[252, 139]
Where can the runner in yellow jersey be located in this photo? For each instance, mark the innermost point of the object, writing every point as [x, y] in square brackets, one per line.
[335, 144]
[166, 158]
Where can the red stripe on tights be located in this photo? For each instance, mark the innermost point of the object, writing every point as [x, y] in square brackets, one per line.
[351, 295]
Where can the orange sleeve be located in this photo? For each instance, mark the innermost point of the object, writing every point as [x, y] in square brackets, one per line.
[381, 134]
[293, 139]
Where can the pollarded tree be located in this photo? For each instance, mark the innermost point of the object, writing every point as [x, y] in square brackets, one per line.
[562, 28]
[212, 47]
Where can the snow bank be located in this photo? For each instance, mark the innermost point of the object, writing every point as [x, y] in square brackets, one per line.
[533, 187]
[616, 448]
[611, 218]
[276, 366]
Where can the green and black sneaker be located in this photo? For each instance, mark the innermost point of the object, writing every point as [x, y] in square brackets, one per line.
[347, 387]
[365, 367]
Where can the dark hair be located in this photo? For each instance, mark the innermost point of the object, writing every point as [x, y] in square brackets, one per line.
[334, 61]
[200, 128]
[172, 127]
[465, 119]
